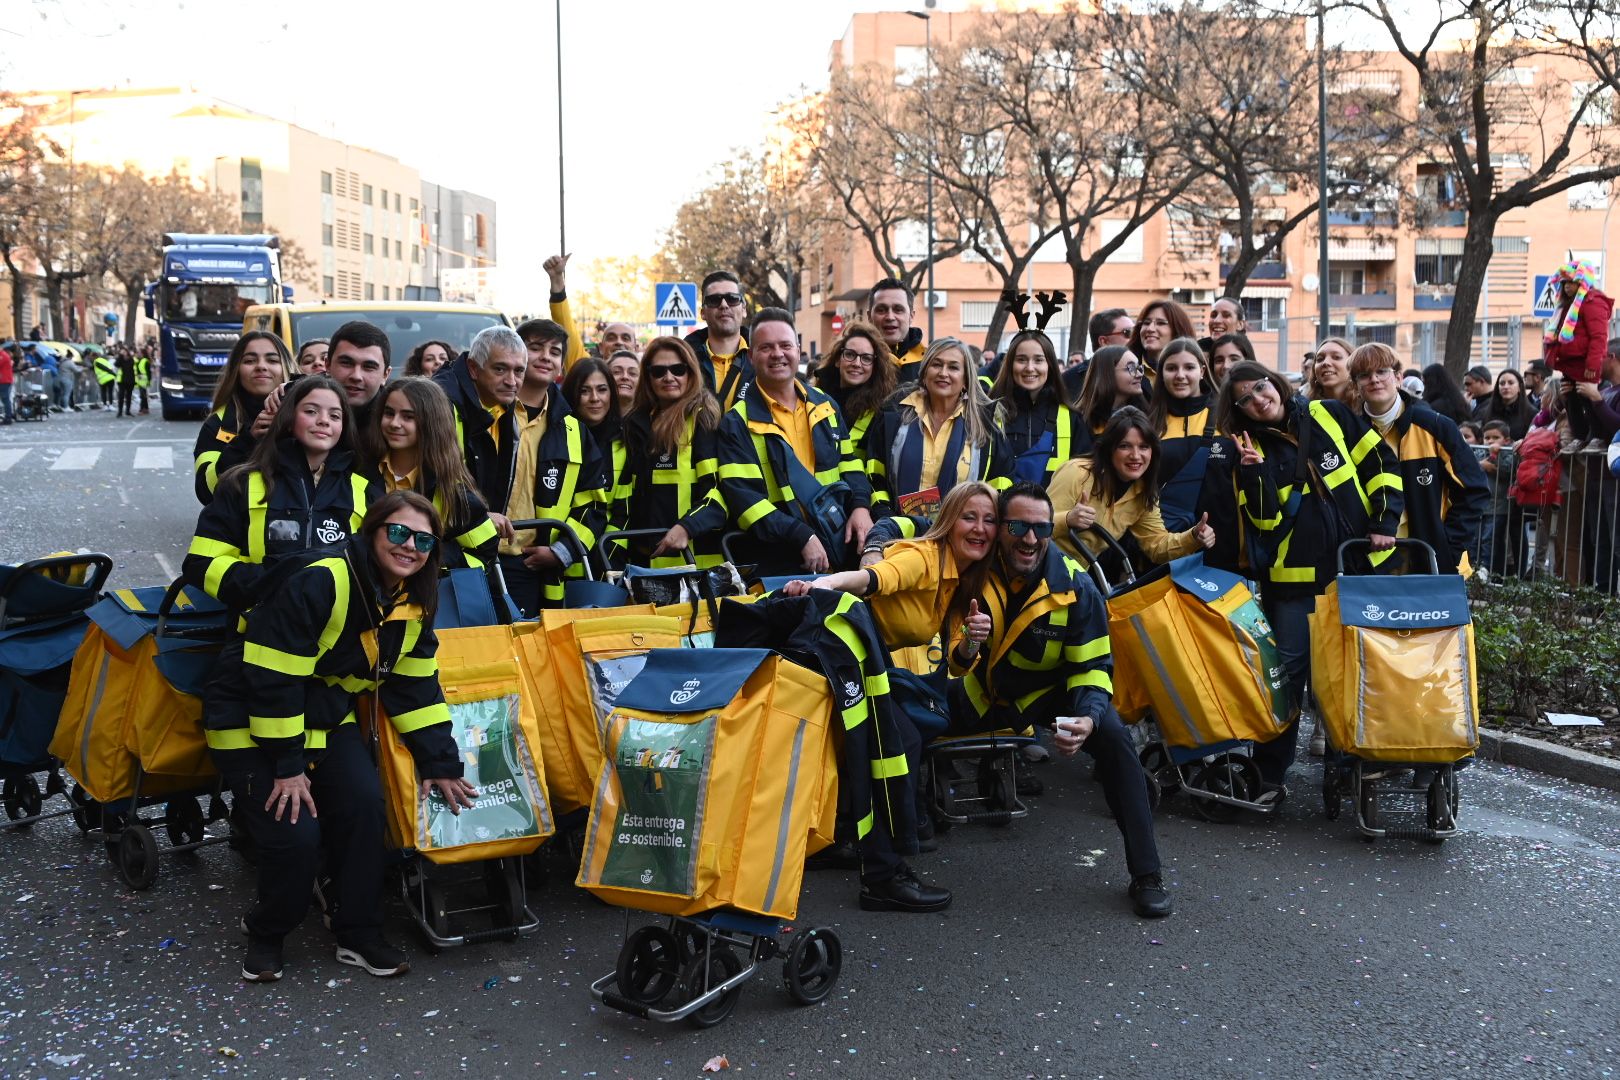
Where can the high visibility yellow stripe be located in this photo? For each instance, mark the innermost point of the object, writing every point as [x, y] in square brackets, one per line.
[1030, 698]
[1045, 662]
[208, 547]
[755, 514]
[273, 659]
[256, 515]
[877, 684]
[1369, 442]
[417, 719]
[358, 486]
[477, 536]
[276, 727]
[214, 576]
[354, 684]
[232, 739]
[884, 768]
[340, 603]
[975, 694]
[417, 667]
[208, 465]
[1100, 679]
[1091, 650]
[864, 826]
[855, 715]
[1000, 483]
[744, 470]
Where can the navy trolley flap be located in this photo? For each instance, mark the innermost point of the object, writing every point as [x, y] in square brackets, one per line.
[128, 615]
[1209, 584]
[690, 680]
[1406, 602]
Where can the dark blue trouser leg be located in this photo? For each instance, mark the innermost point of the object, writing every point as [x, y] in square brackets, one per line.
[1290, 622]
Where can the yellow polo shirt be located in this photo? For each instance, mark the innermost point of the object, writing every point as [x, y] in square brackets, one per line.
[934, 442]
[916, 580]
[520, 504]
[394, 481]
[795, 425]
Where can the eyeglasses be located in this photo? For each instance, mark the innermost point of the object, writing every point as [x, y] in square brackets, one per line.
[862, 359]
[1132, 368]
[1017, 528]
[402, 534]
[658, 371]
[1248, 399]
[728, 299]
[1370, 376]
[1160, 323]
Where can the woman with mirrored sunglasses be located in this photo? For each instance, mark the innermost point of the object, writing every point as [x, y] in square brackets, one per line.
[668, 479]
[351, 621]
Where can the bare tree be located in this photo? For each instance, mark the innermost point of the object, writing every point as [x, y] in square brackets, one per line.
[1517, 101]
[23, 152]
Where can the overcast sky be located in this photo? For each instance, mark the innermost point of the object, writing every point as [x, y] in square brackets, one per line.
[654, 93]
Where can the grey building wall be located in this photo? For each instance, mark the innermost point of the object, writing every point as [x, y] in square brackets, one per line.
[456, 222]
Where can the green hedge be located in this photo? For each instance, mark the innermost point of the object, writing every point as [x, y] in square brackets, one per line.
[1545, 646]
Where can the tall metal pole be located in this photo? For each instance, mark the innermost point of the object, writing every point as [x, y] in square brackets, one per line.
[928, 54]
[1322, 169]
[562, 211]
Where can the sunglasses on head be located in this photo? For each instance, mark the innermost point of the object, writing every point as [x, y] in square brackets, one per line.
[1017, 528]
[658, 371]
[402, 534]
[729, 299]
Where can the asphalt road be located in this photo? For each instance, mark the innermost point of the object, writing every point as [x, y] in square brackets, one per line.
[1297, 949]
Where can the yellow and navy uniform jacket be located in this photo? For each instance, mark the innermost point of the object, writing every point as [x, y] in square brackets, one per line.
[1219, 499]
[106, 370]
[323, 638]
[1445, 490]
[909, 355]
[473, 535]
[1299, 512]
[143, 371]
[570, 485]
[739, 376]
[894, 449]
[1054, 642]
[671, 489]
[1189, 424]
[222, 428]
[753, 475]
[489, 458]
[915, 583]
[242, 533]
[1040, 436]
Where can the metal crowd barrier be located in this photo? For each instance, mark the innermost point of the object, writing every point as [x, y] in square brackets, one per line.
[1575, 542]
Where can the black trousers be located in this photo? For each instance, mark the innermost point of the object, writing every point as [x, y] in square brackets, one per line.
[107, 392]
[348, 832]
[126, 397]
[1110, 746]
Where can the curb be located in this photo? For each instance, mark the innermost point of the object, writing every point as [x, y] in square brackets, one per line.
[1560, 761]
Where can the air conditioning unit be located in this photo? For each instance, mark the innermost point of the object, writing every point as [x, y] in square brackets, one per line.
[1201, 296]
[936, 298]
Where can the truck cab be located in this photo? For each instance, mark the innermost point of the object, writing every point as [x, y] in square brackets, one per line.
[208, 283]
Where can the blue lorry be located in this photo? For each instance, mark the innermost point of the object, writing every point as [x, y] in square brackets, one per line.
[206, 285]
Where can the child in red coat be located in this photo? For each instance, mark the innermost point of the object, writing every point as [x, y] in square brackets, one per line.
[1578, 337]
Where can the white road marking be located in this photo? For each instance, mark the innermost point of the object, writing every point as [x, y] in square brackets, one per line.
[123, 496]
[163, 564]
[77, 458]
[10, 457]
[154, 457]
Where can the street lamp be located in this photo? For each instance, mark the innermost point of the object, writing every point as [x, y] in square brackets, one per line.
[1321, 171]
[928, 59]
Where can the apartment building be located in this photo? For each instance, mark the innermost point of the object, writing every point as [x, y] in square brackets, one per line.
[1387, 280]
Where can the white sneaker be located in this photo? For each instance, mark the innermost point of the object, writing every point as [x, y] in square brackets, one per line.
[1318, 741]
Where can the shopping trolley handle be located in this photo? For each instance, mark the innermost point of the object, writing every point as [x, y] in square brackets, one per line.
[1402, 542]
[1110, 542]
[556, 527]
[619, 534]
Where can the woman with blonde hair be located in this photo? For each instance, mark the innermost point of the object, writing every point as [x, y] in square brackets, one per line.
[933, 436]
[1330, 373]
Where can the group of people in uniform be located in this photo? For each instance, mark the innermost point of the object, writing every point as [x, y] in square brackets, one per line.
[963, 505]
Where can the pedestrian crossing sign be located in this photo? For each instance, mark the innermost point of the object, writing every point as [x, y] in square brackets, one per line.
[675, 302]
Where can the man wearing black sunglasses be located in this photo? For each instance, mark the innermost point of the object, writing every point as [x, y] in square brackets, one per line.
[722, 351]
[1018, 681]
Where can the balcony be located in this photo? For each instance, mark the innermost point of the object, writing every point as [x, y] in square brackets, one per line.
[1266, 271]
[1431, 302]
[1361, 217]
[1373, 301]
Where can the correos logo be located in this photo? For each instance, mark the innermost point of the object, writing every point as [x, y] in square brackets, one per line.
[687, 692]
[1372, 613]
[1206, 585]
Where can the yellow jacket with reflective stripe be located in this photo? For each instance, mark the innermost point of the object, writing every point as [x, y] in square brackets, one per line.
[1055, 642]
[325, 636]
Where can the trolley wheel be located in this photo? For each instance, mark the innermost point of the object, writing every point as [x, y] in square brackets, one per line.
[650, 963]
[703, 972]
[1367, 808]
[1155, 758]
[22, 799]
[1155, 790]
[689, 940]
[185, 822]
[505, 891]
[813, 962]
[997, 785]
[1442, 803]
[1225, 776]
[1331, 797]
[86, 811]
[435, 907]
[944, 797]
[137, 856]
